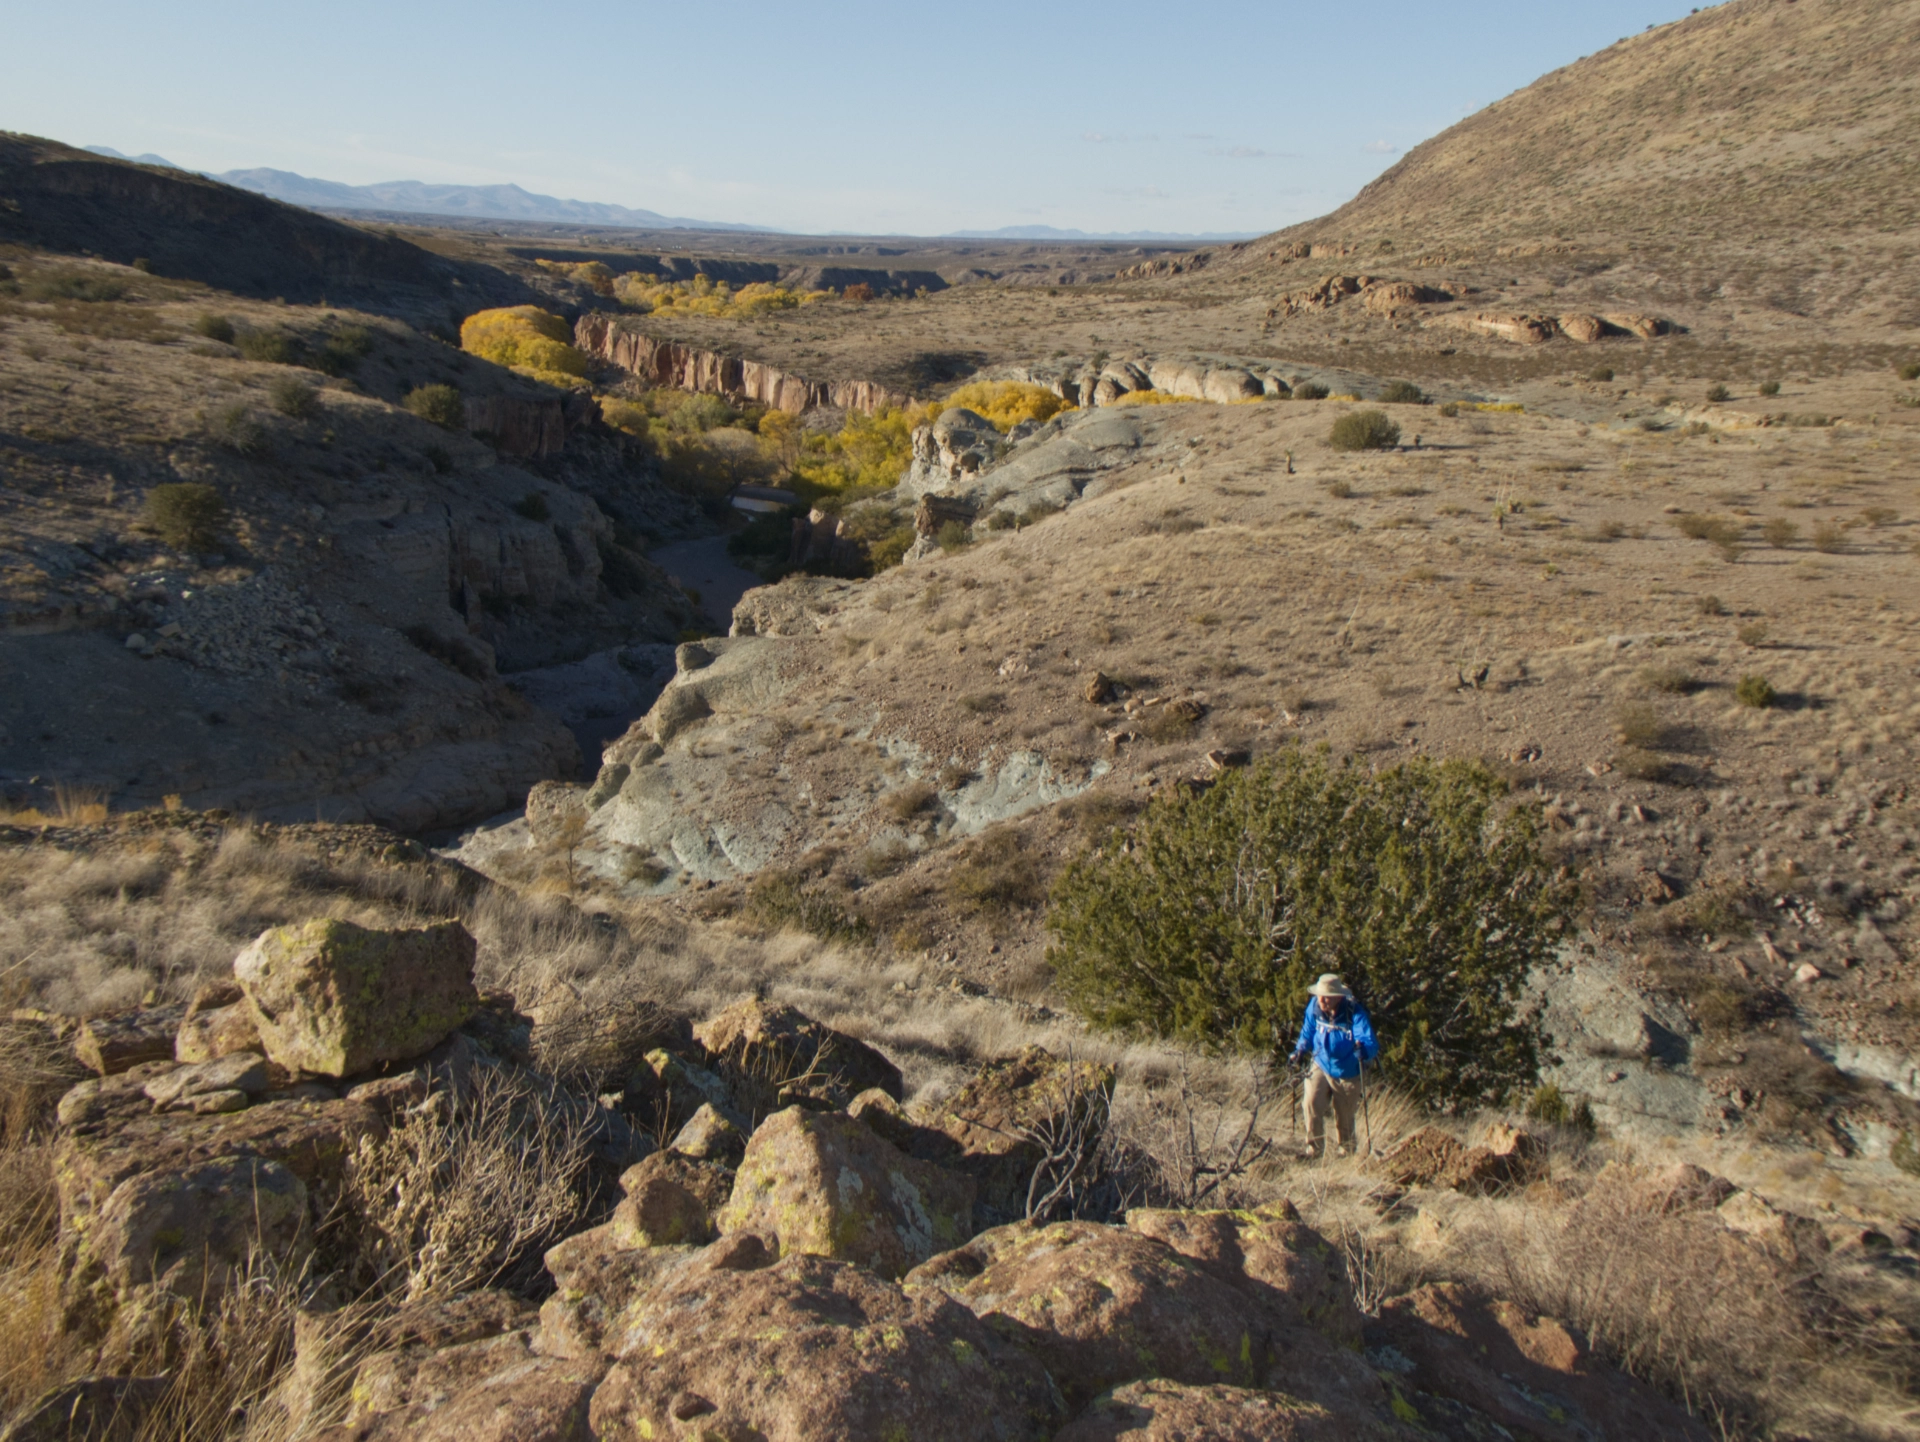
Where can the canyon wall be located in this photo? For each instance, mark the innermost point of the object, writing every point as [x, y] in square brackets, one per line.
[668, 363]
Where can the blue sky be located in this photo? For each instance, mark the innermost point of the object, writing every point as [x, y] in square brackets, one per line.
[850, 117]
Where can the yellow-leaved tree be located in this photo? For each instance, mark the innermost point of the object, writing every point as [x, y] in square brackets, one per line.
[1007, 403]
[526, 339]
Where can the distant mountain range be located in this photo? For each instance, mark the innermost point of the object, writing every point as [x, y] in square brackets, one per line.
[1048, 232]
[510, 202]
[413, 197]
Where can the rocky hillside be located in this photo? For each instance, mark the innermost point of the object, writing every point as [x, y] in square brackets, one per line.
[356, 1196]
[191, 228]
[332, 636]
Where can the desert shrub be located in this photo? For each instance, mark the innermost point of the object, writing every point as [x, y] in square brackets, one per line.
[269, 347]
[533, 506]
[859, 293]
[867, 455]
[1403, 393]
[1208, 919]
[952, 536]
[1718, 393]
[638, 290]
[592, 273]
[1779, 532]
[1641, 764]
[438, 1207]
[1152, 398]
[1637, 724]
[1167, 724]
[1753, 633]
[1755, 691]
[995, 873]
[1910, 372]
[1602, 374]
[1670, 679]
[1722, 534]
[343, 350]
[74, 285]
[526, 339]
[438, 404]
[293, 397]
[235, 428]
[440, 458]
[1310, 391]
[783, 901]
[908, 801]
[1364, 431]
[214, 327]
[187, 515]
[1710, 605]
[1007, 403]
[1770, 389]
[1830, 537]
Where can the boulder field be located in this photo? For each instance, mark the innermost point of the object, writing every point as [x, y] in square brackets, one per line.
[794, 1254]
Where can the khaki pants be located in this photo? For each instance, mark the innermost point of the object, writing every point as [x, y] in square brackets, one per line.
[1323, 1094]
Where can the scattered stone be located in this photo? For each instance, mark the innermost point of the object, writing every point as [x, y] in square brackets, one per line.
[332, 998]
[110, 1044]
[244, 1072]
[839, 1345]
[670, 1201]
[1099, 689]
[823, 1183]
[1806, 973]
[1529, 1375]
[764, 1049]
[710, 1137]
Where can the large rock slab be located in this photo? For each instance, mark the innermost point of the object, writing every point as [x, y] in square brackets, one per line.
[495, 1390]
[332, 998]
[1101, 1306]
[762, 1048]
[822, 1183]
[1163, 1411]
[813, 1349]
[597, 1277]
[1283, 1266]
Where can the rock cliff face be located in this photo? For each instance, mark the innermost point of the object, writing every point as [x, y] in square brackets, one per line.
[668, 363]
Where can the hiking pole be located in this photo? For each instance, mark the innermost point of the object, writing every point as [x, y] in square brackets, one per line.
[1365, 1115]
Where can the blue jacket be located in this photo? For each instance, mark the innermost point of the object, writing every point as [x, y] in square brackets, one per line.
[1339, 1043]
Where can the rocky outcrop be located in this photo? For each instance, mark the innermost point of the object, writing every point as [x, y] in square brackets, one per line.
[529, 428]
[620, 341]
[763, 1051]
[1539, 329]
[957, 444]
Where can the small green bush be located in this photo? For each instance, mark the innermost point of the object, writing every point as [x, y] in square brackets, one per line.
[1753, 633]
[1311, 391]
[1602, 374]
[1403, 393]
[440, 405]
[1364, 431]
[1779, 532]
[1910, 372]
[293, 397]
[267, 346]
[1830, 537]
[343, 350]
[214, 327]
[236, 429]
[1422, 884]
[1770, 389]
[1719, 393]
[1755, 691]
[1669, 679]
[1711, 606]
[995, 874]
[1638, 724]
[187, 515]
[533, 506]
[783, 902]
[952, 536]
[75, 286]
[1450, 410]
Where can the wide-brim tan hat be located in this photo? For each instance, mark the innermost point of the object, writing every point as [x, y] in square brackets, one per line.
[1330, 984]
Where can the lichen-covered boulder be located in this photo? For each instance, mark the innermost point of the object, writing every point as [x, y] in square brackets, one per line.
[333, 999]
[216, 1032]
[709, 1137]
[764, 1050]
[812, 1349]
[1099, 1306]
[494, 1390]
[192, 1232]
[1286, 1268]
[596, 1278]
[670, 1201]
[1161, 1411]
[824, 1184]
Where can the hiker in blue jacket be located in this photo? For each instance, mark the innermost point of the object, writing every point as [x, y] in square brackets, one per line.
[1338, 1036]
